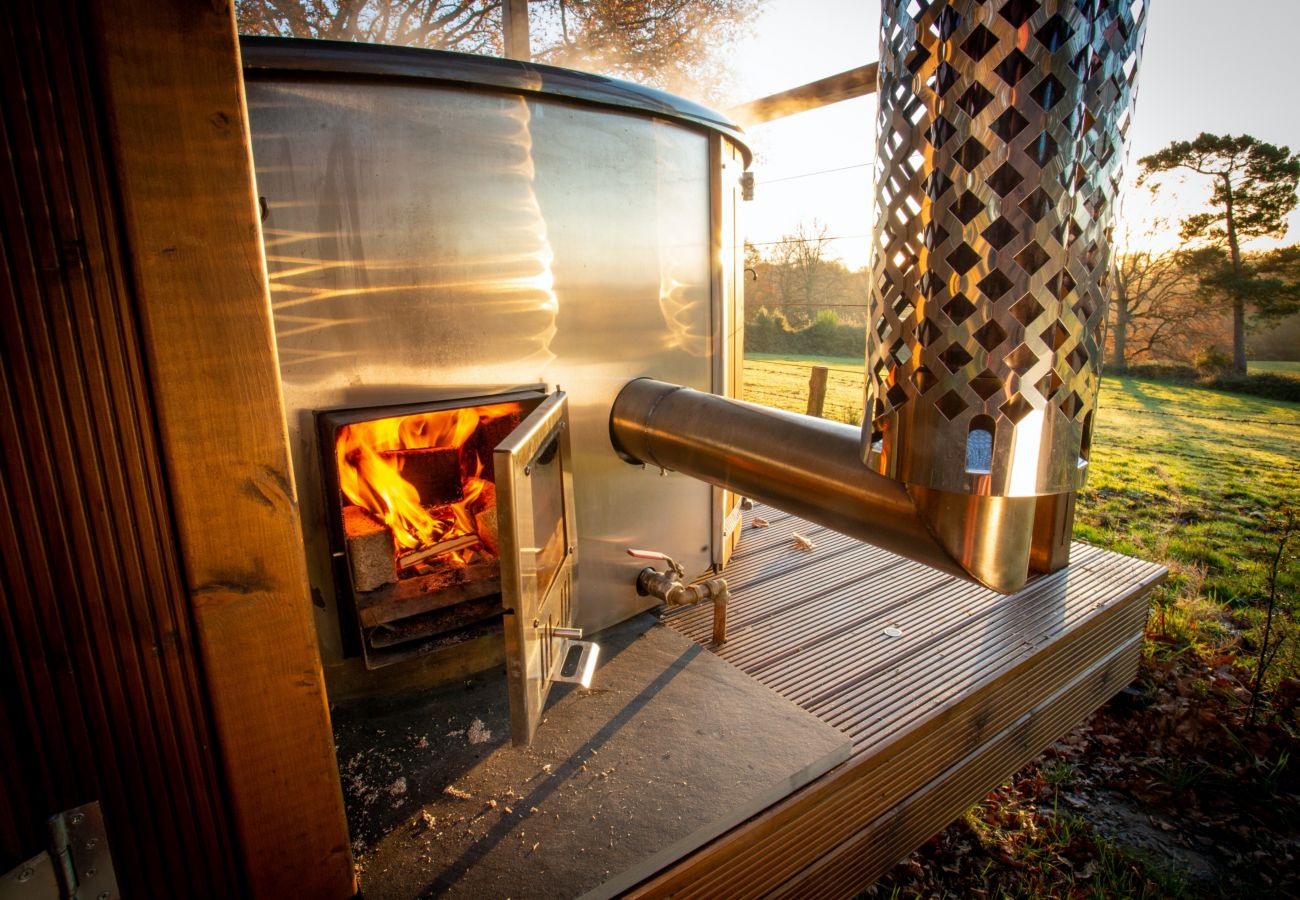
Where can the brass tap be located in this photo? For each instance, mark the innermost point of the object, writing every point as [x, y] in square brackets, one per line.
[669, 587]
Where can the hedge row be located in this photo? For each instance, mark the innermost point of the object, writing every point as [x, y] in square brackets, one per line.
[1268, 386]
[769, 332]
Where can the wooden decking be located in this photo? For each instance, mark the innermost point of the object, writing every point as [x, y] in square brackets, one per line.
[945, 688]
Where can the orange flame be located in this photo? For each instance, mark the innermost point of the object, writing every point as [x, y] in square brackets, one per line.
[373, 480]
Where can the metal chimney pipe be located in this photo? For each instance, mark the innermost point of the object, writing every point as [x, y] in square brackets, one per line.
[1001, 137]
[999, 151]
[811, 467]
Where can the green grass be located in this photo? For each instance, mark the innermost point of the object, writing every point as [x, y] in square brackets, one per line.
[1258, 367]
[1194, 478]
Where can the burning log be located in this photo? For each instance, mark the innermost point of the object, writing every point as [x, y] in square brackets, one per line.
[434, 472]
[479, 446]
[370, 549]
[484, 510]
[409, 560]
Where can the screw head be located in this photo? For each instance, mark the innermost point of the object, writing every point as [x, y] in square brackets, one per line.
[92, 843]
[26, 874]
[92, 872]
[77, 818]
[103, 895]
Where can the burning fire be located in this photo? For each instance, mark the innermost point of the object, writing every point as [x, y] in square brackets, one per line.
[370, 473]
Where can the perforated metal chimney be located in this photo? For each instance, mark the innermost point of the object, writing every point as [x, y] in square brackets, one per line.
[1001, 138]
[1000, 145]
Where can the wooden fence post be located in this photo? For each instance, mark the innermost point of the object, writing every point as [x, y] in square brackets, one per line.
[817, 391]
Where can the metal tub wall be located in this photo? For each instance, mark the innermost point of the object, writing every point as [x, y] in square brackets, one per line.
[426, 241]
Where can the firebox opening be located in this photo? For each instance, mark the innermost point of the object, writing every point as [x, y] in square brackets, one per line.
[411, 495]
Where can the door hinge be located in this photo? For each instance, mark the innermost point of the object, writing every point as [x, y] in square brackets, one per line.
[78, 865]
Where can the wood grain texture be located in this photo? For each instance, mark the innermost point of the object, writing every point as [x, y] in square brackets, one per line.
[965, 687]
[101, 693]
[175, 119]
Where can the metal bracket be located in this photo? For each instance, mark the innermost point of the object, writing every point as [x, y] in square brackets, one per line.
[78, 865]
[575, 662]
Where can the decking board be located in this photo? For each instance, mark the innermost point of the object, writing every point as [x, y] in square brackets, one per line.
[976, 685]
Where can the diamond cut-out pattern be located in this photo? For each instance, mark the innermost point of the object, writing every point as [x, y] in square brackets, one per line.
[986, 384]
[1007, 125]
[1017, 12]
[1026, 310]
[1021, 359]
[1000, 233]
[1043, 149]
[968, 207]
[939, 132]
[1048, 93]
[1037, 204]
[971, 154]
[917, 58]
[995, 284]
[963, 259]
[978, 44]
[937, 185]
[1015, 67]
[990, 335]
[1005, 180]
[1016, 409]
[952, 405]
[955, 357]
[959, 309]
[975, 99]
[1055, 34]
[1032, 257]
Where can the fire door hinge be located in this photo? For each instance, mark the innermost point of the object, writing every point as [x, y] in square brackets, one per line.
[78, 865]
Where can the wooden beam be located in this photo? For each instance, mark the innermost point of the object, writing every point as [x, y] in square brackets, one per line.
[857, 82]
[514, 22]
[177, 126]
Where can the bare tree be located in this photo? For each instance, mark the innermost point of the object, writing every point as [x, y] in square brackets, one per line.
[1153, 304]
[470, 26]
[673, 44]
[799, 261]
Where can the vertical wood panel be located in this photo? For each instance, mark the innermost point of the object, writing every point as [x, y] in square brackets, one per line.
[100, 689]
[177, 128]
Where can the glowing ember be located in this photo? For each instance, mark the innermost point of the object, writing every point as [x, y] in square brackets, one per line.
[370, 474]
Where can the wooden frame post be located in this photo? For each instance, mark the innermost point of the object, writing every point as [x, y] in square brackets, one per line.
[177, 126]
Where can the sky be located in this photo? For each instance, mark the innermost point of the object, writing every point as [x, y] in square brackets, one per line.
[1202, 70]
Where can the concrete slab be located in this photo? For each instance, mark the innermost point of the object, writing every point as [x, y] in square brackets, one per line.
[670, 748]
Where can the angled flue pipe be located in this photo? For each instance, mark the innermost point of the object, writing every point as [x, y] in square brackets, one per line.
[1001, 138]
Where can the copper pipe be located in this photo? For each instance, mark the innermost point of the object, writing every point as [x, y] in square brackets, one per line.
[812, 468]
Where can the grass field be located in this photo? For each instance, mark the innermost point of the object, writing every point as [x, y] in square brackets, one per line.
[1194, 478]
[1290, 369]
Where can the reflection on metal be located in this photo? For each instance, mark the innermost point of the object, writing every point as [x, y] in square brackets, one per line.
[325, 278]
[450, 237]
[539, 546]
[1001, 136]
[346, 60]
[857, 82]
[811, 468]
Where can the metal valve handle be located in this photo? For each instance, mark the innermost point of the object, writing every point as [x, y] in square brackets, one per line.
[655, 554]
